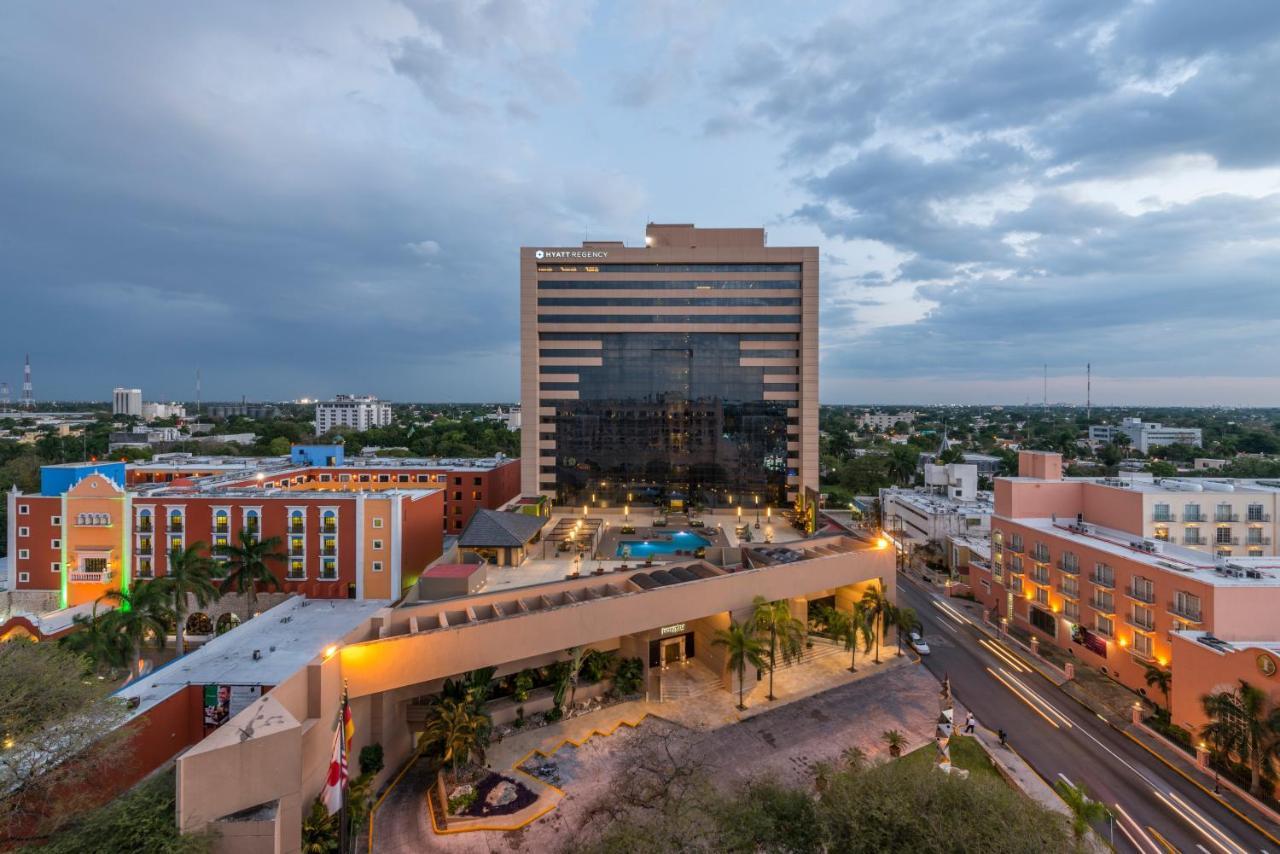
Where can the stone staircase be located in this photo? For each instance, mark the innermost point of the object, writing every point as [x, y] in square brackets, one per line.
[690, 680]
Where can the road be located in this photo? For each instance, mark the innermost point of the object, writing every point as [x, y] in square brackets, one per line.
[1155, 808]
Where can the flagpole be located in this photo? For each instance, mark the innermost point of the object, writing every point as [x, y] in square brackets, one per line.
[343, 836]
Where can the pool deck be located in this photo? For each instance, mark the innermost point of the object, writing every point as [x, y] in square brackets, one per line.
[613, 537]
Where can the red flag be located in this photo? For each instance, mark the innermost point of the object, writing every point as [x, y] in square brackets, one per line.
[331, 795]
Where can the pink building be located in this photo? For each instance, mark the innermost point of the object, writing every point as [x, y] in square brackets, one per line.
[1072, 562]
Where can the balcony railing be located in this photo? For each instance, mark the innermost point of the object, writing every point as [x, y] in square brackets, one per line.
[1257, 541]
[1040, 555]
[1107, 581]
[329, 575]
[329, 528]
[300, 575]
[1072, 568]
[144, 526]
[1164, 517]
[1016, 570]
[1258, 517]
[80, 576]
[175, 527]
[1039, 576]
[1141, 594]
[1226, 541]
[297, 551]
[330, 551]
[1226, 517]
[1106, 606]
[1140, 623]
[1015, 548]
[1106, 633]
[1194, 540]
[1185, 612]
[297, 528]
[1194, 517]
[1139, 654]
[1069, 592]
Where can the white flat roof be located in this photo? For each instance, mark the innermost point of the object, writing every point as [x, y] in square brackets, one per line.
[1170, 557]
[288, 636]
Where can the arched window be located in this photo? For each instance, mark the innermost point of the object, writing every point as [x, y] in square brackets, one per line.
[295, 521]
[221, 522]
[144, 521]
[175, 520]
[329, 522]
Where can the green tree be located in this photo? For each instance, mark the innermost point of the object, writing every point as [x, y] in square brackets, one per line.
[1084, 810]
[785, 632]
[278, 447]
[456, 733]
[743, 648]
[190, 573]
[94, 638]
[1246, 724]
[247, 567]
[1158, 677]
[902, 463]
[902, 620]
[142, 614]
[875, 604]
[848, 629]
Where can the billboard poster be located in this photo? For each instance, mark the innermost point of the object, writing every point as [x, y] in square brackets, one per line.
[1089, 640]
[223, 702]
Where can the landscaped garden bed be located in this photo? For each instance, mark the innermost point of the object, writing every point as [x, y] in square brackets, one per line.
[481, 793]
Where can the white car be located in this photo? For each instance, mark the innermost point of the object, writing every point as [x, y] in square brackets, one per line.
[917, 643]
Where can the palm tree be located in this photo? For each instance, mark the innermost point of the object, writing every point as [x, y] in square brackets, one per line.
[847, 628]
[576, 656]
[94, 639]
[1084, 810]
[786, 633]
[247, 567]
[895, 740]
[902, 619]
[875, 604]
[902, 463]
[1158, 677]
[458, 731]
[190, 573]
[1243, 722]
[743, 648]
[143, 615]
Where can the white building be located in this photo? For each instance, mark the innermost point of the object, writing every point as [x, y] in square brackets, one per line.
[949, 504]
[1145, 435]
[882, 421]
[157, 411]
[355, 412]
[126, 401]
[509, 417]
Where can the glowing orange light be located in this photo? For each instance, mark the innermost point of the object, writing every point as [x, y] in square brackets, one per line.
[882, 543]
[330, 650]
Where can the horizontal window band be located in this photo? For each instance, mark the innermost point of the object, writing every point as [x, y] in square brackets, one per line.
[668, 318]
[665, 301]
[717, 284]
[675, 268]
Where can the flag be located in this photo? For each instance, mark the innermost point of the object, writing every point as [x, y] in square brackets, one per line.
[348, 724]
[331, 795]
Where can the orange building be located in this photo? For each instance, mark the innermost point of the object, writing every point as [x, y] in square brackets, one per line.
[1071, 565]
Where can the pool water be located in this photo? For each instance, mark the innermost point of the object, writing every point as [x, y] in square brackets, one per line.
[680, 541]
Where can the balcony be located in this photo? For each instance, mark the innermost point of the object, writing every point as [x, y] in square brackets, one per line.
[1140, 655]
[1040, 576]
[328, 528]
[83, 576]
[175, 528]
[298, 575]
[1141, 594]
[297, 528]
[1106, 633]
[1013, 569]
[1107, 581]
[1164, 517]
[1040, 555]
[1258, 517]
[297, 551]
[1103, 606]
[1194, 540]
[1257, 541]
[329, 551]
[1140, 623]
[1071, 568]
[1014, 548]
[144, 526]
[222, 529]
[1226, 541]
[1226, 517]
[1186, 612]
[1194, 516]
[1069, 592]
[329, 574]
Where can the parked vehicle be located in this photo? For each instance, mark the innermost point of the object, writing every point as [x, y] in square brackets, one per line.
[917, 642]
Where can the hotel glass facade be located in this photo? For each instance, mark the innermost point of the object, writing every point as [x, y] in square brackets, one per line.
[682, 371]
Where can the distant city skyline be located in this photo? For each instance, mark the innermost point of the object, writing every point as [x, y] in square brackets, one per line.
[306, 199]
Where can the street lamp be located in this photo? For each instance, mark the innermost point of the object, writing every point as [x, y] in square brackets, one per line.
[626, 511]
[757, 500]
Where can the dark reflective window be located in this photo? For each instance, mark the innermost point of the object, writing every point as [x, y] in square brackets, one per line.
[696, 268]
[713, 284]
[669, 318]
[671, 415]
[668, 300]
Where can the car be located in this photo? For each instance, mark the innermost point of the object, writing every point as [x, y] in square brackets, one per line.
[917, 642]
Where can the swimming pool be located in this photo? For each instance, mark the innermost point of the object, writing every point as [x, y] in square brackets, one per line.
[685, 541]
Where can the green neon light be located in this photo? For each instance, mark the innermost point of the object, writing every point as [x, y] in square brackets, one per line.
[126, 528]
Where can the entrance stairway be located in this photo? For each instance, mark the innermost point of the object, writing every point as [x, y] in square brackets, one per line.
[691, 679]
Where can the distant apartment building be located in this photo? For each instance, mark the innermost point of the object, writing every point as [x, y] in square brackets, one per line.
[986, 465]
[683, 371]
[126, 402]
[364, 529]
[353, 412]
[884, 421]
[1145, 435]
[1115, 570]
[160, 411]
[256, 411]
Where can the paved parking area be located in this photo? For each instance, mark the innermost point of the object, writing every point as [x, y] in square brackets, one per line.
[782, 741]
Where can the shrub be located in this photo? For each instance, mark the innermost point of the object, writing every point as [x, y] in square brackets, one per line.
[629, 676]
[371, 759]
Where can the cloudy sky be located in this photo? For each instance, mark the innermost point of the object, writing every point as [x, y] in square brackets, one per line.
[303, 198]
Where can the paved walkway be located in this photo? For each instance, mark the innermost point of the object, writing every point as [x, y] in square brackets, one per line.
[781, 740]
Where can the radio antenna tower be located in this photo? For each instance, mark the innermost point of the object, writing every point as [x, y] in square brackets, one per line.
[1046, 388]
[197, 391]
[28, 397]
[1088, 390]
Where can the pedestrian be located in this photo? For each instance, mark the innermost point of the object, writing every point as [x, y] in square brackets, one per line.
[1003, 736]
[969, 723]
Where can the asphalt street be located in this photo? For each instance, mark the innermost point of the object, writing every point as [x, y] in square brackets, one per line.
[1155, 809]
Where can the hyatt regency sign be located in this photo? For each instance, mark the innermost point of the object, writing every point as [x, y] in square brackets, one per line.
[569, 254]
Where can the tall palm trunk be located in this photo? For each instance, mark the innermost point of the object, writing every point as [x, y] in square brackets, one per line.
[742, 683]
[773, 652]
[180, 632]
[250, 600]
[878, 628]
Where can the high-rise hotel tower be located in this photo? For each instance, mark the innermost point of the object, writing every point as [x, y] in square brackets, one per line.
[685, 371]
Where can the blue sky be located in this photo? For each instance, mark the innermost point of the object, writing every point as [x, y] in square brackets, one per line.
[303, 198]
